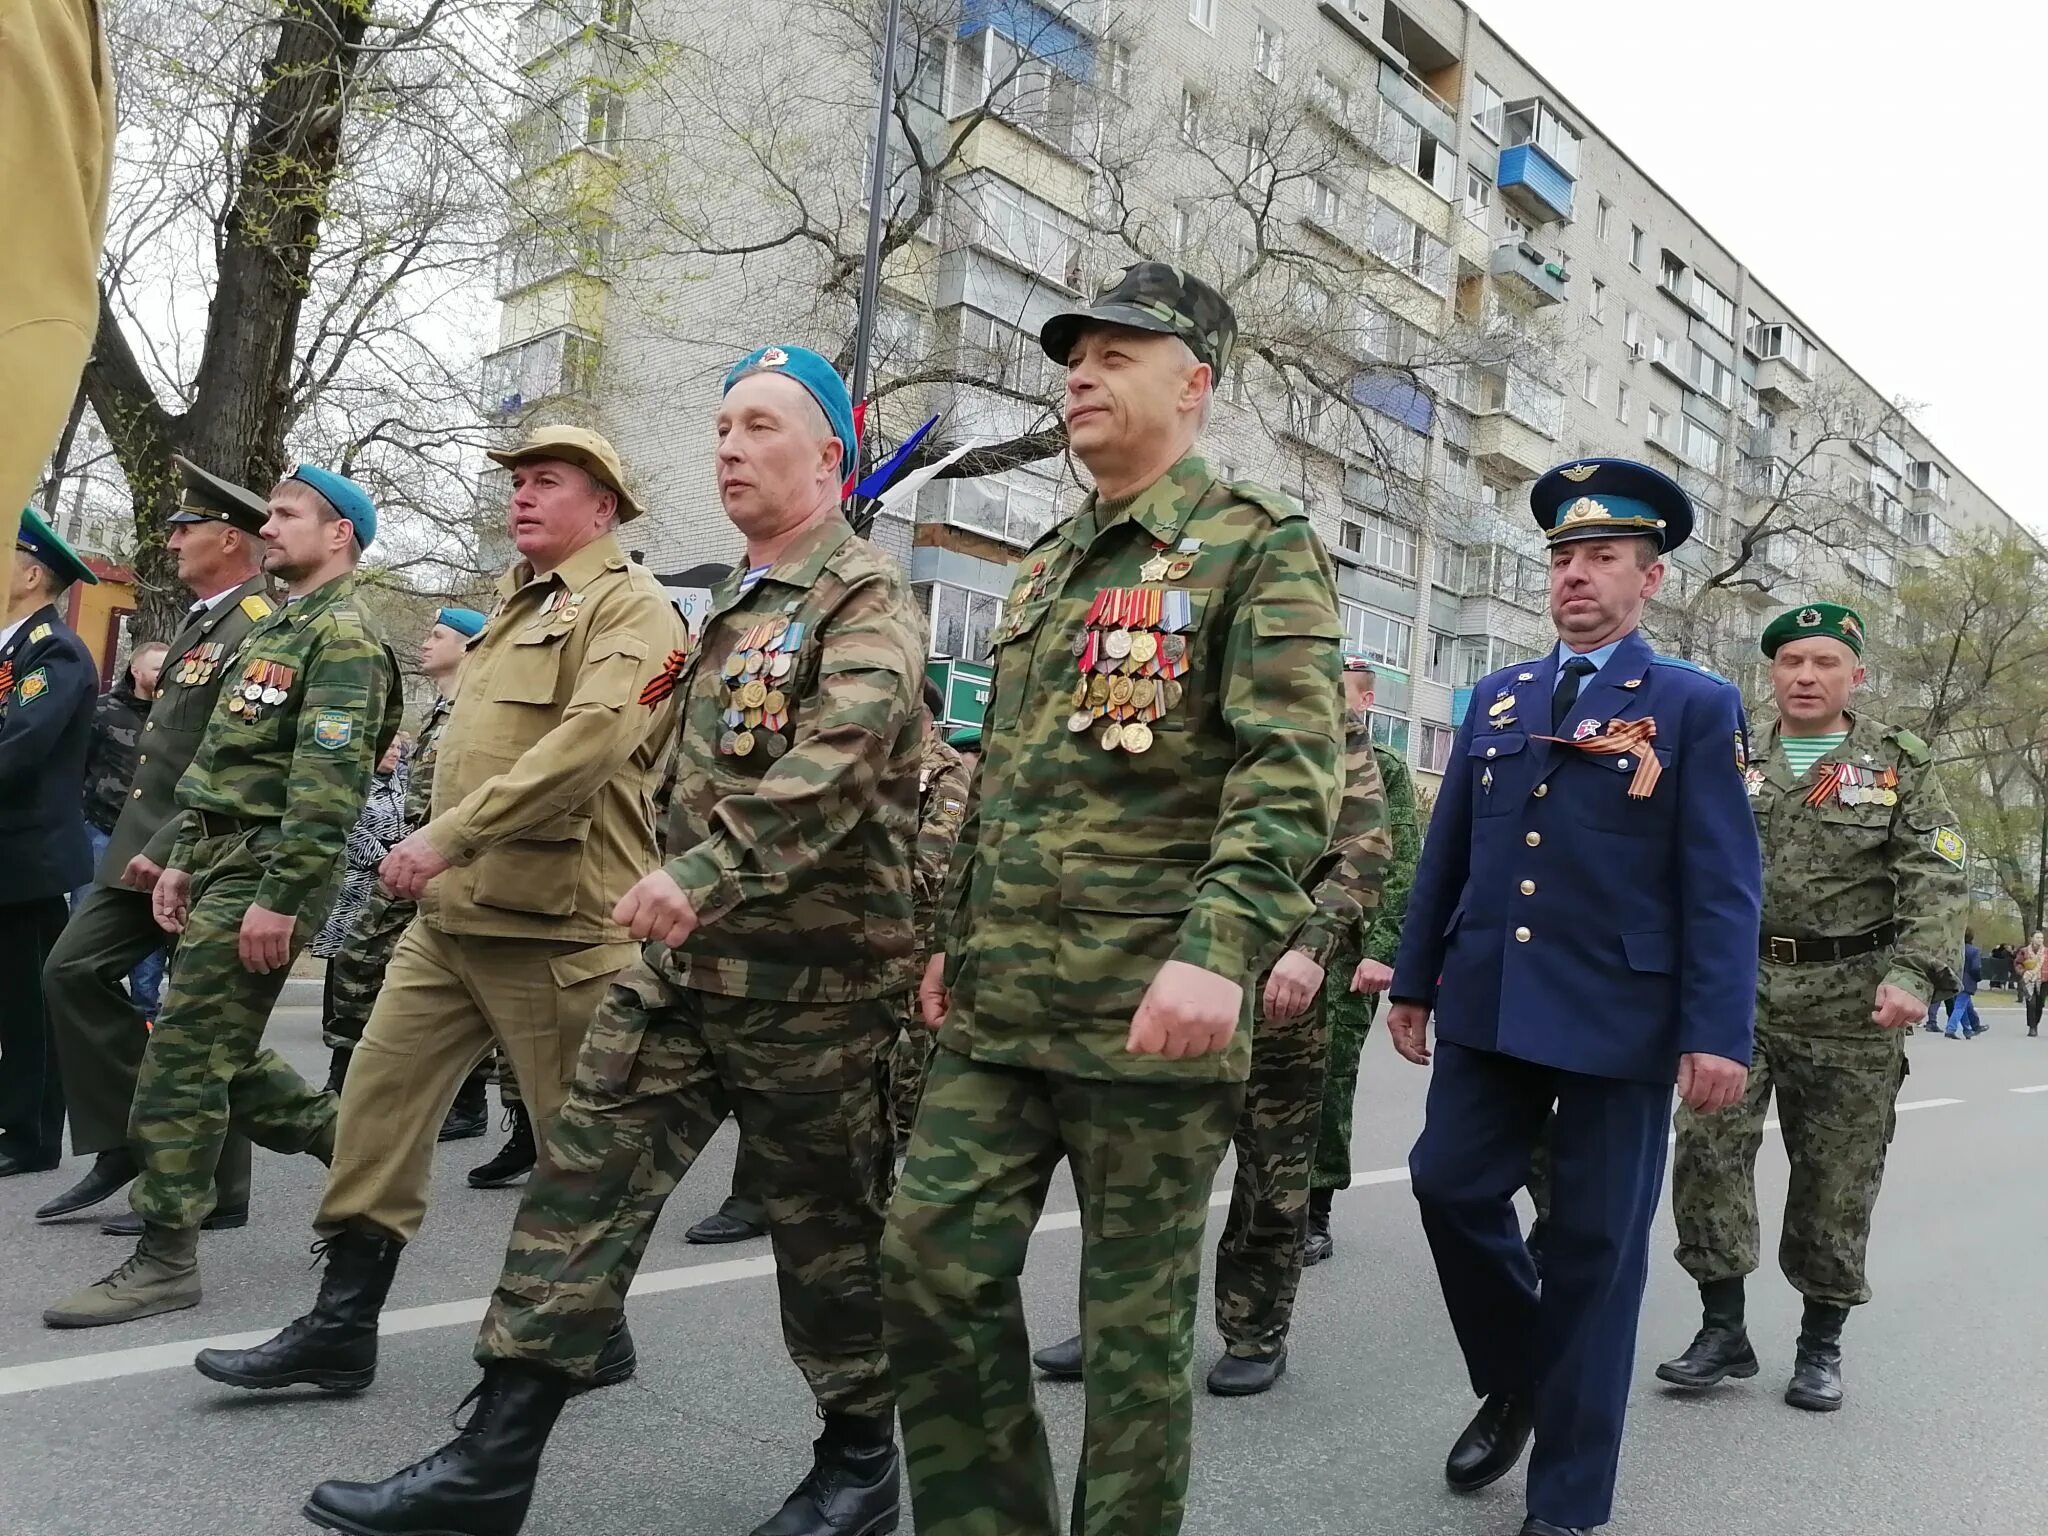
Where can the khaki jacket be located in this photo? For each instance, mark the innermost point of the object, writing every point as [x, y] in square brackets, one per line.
[545, 777]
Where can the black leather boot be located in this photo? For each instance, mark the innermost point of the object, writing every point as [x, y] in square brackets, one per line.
[1061, 1361]
[1721, 1348]
[337, 1069]
[1491, 1444]
[737, 1220]
[334, 1346]
[1816, 1383]
[617, 1361]
[478, 1484]
[851, 1488]
[514, 1159]
[110, 1173]
[1318, 1246]
[1247, 1375]
[470, 1114]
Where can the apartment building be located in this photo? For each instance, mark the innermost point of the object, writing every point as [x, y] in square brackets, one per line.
[1449, 281]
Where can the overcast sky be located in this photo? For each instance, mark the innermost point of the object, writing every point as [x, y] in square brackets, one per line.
[1875, 164]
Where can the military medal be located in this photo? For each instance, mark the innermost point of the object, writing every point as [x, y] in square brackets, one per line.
[1080, 720]
[725, 743]
[1112, 736]
[1585, 730]
[1753, 781]
[1154, 569]
[1137, 736]
[1179, 568]
[742, 743]
[774, 744]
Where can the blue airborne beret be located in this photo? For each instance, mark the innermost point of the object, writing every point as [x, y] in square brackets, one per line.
[818, 377]
[464, 621]
[42, 543]
[345, 496]
[1611, 499]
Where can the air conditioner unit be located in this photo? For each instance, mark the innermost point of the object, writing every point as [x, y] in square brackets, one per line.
[1637, 351]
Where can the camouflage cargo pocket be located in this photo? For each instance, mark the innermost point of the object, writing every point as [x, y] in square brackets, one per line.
[1120, 919]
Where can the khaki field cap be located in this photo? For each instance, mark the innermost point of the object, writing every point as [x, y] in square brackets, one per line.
[579, 446]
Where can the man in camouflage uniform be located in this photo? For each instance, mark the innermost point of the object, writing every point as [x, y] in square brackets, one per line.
[215, 538]
[1364, 968]
[779, 936]
[1864, 902]
[1163, 767]
[312, 699]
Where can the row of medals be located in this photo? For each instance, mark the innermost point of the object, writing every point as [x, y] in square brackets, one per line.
[1131, 654]
[263, 683]
[756, 712]
[197, 664]
[1865, 786]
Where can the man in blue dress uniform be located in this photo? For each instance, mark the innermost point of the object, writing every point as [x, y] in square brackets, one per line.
[1584, 926]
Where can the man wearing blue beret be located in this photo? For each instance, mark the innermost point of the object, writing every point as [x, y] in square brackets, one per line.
[311, 700]
[1583, 926]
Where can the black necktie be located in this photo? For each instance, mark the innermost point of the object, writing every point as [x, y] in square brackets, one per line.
[1569, 681]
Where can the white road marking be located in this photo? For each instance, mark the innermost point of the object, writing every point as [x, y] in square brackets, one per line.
[108, 1365]
[2036, 1088]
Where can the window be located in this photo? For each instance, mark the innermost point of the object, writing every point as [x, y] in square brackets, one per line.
[1000, 353]
[1436, 746]
[1024, 229]
[1351, 535]
[1334, 96]
[1015, 507]
[1119, 70]
[1030, 92]
[1711, 376]
[1714, 306]
[1390, 731]
[1624, 403]
[1325, 203]
[1631, 329]
[1387, 544]
[1699, 447]
[1489, 109]
[1533, 121]
[1603, 219]
[1442, 666]
[1267, 41]
[1599, 301]
[1589, 386]
[1657, 425]
[1407, 246]
[961, 621]
[1402, 142]
[543, 367]
[1181, 229]
[1635, 246]
[1190, 116]
[1203, 14]
[1386, 639]
[1783, 343]
[1672, 275]
[1478, 195]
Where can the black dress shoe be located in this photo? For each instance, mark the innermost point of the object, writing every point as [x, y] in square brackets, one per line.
[733, 1222]
[111, 1172]
[1061, 1361]
[1247, 1376]
[1534, 1527]
[1491, 1444]
[129, 1224]
[15, 1160]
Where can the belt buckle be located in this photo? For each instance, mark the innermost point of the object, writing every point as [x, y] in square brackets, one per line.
[1782, 951]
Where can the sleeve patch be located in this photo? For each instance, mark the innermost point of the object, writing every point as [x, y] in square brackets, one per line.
[1948, 842]
[333, 729]
[34, 686]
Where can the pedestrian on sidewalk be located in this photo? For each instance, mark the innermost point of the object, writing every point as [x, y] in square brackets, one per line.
[2030, 967]
[1963, 1022]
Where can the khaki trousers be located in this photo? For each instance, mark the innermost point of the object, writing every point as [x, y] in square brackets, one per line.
[56, 147]
[447, 999]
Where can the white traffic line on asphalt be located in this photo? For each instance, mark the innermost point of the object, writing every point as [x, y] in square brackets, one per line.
[108, 1365]
[2036, 1088]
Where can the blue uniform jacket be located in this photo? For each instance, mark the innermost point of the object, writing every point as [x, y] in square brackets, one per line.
[45, 724]
[1556, 920]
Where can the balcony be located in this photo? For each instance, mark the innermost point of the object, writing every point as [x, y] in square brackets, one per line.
[1509, 447]
[1533, 182]
[1528, 274]
[1929, 483]
[1418, 103]
[1782, 386]
[554, 365]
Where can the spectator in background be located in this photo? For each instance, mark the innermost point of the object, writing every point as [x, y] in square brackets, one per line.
[1998, 971]
[110, 760]
[379, 826]
[1962, 1015]
[2030, 969]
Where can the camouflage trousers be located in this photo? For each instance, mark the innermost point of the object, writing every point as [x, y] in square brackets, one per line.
[982, 1155]
[1258, 1257]
[661, 1068]
[356, 973]
[1837, 1107]
[907, 1065]
[1351, 1015]
[204, 1068]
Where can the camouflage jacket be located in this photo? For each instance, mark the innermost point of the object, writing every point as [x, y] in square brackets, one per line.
[1383, 930]
[1346, 889]
[419, 766]
[302, 752]
[117, 721]
[1846, 868]
[941, 807]
[796, 797]
[1084, 867]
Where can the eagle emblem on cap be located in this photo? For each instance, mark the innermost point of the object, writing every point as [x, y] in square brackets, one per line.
[774, 357]
[1579, 474]
[1584, 510]
[1809, 618]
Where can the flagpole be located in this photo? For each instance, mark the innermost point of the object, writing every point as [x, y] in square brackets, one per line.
[878, 186]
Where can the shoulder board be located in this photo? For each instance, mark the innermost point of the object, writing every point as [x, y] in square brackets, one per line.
[40, 632]
[1283, 507]
[256, 606]
[1914, 748]
[1688, 666]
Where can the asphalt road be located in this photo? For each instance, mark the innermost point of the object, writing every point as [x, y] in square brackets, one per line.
[110, 1432]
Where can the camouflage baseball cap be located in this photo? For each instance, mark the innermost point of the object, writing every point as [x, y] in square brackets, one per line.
[1152, 296]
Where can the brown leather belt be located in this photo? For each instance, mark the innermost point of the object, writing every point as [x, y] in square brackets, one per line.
[1817, 951]
[216, 824]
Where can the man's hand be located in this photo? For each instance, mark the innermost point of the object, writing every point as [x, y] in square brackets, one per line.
[408, 867]
[656, 908]
[1187, 1011]
[171, 899]
[1372, 976]
[1292, 986]
[1408, 1028]
[932, 999]
[1897, 1008]
[141, 873]
[266, 940]
[1709, 1084]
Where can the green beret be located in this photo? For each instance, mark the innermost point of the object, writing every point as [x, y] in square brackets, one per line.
[1830, 619]
[966, 739]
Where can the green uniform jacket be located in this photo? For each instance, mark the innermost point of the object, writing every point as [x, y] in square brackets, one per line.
[796, 852]
[1383, 928]
[185, 697]
[1842, 870]
[1352, 873]
[1081, 869]
[304, 761]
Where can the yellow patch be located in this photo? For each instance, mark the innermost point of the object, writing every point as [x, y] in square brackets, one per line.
[1948, 842]
[258, 608]
[40, 632]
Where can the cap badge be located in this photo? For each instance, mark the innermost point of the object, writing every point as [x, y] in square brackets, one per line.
[1584, 510]
[1809, 618]
[1579, 474]
[774, 357]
